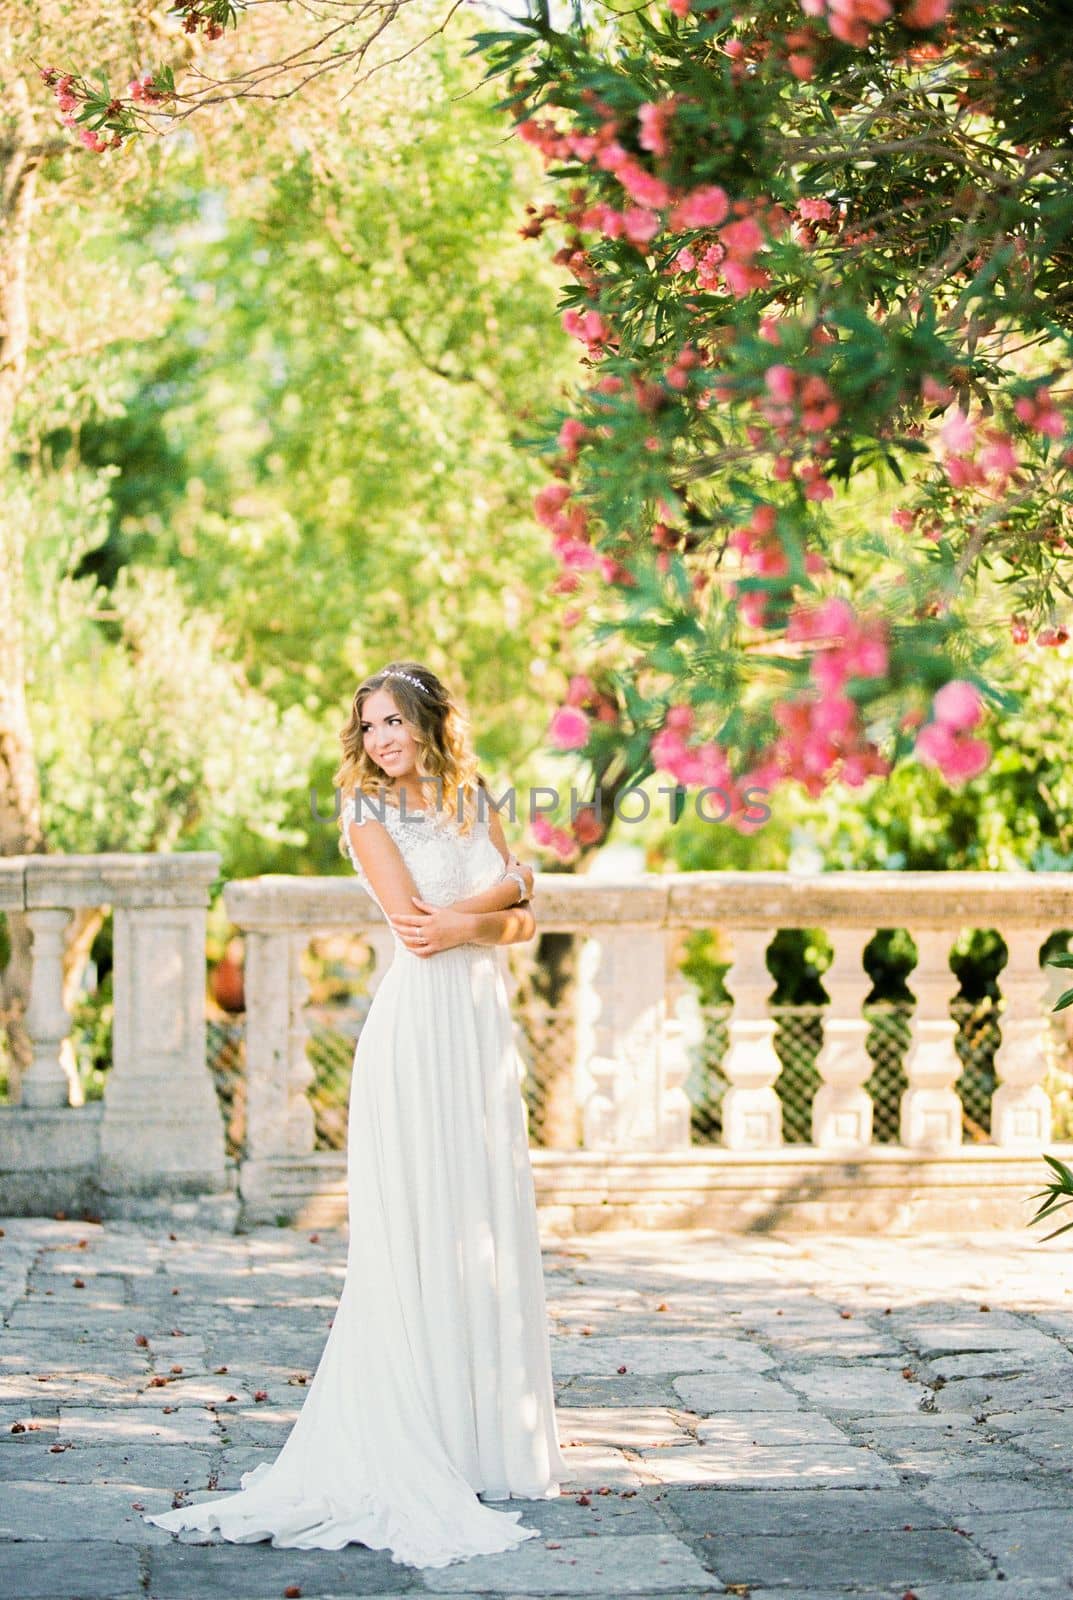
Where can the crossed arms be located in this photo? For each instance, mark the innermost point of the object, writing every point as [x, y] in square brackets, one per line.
[490, 917]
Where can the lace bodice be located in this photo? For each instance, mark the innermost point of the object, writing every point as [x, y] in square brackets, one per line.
[445, 864]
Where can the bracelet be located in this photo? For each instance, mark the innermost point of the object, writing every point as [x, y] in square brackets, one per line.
[523, 892]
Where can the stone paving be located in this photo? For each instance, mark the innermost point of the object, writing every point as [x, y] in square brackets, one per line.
[787, 1418]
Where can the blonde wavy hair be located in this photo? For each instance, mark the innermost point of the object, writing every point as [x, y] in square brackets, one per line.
[440, 728]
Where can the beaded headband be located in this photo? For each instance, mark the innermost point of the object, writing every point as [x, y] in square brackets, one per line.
[415, 681]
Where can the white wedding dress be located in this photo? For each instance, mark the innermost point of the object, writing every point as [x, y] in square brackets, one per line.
[435, 1381]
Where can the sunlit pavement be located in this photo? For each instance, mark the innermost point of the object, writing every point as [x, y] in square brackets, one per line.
[765, 1416]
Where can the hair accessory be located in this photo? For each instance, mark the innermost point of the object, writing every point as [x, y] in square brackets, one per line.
[415, 681]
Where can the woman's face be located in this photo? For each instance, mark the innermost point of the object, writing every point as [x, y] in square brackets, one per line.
[386, 736]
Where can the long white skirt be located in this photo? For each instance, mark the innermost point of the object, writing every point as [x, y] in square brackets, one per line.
[435, 1381]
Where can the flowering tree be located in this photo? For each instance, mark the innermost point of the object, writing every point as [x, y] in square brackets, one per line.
[819, 258]
[819, 250]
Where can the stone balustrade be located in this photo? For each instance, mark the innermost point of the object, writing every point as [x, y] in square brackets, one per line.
[637, 1022]
[637, 1027]
[158, 1128]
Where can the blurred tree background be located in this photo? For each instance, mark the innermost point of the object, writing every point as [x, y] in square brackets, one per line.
[284, 373]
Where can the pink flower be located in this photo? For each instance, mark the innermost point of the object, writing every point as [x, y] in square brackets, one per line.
[960, 471]
[867, 658]
[1039, 412]
[815, 210]
[586, 325]
[572, 435]
[640, 226]
[549, 501]
[816, 484]
[575, 554]
[835, 617]
[569, 728]
[714, 768]
[957, 757]
[671, 754]
[741, 279]
[642, 186]
[550, 837]
[958, 433]
[603, 219]
[743, 239]
[583, 145]
[781, 383]
[833, 718]
[925, 13]
[579, 690]
[704, 208]
[679, 717]
[957, 705]
[612, 157]
[999, 456]
[654, 119]
[678, 8]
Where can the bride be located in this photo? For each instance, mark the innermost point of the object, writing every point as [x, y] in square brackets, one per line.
[434, 1386]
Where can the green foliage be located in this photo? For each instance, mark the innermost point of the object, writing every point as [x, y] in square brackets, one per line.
[1055, 1195]
[904, 268]
[311, 465]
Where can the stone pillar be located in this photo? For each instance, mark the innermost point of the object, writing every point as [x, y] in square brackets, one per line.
[930, 1116]
[279, 1117]
[161, 1126]
[683, 1032]
[47, 1023]
[1021, 1107]
[621, 1014]
[842, 1108]
[752, 1114]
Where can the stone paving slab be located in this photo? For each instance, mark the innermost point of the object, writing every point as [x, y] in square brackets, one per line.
[749, 1466]
[801, 1561]
[759, 1427]
[704, 1393]
[40, 1570]
[640, 1564]
[1015, 1542]
[222, 1571]
[774, 1511]
[798, 1419]
[858, 1388]
[169, 1467]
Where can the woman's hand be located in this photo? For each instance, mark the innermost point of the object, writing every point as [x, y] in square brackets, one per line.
[526, 871]
[432, 928]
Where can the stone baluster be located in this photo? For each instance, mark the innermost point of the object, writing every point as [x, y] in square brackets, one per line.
[621, 1014]
[683, 1032]
[47, 1023]
[930, 1113]
[1020, 1106]
[279, 1117]
[161, 1126]
[842, 1107]
[752, 1114]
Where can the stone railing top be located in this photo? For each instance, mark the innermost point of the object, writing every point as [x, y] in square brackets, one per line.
[113, 878]
[757, 900]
